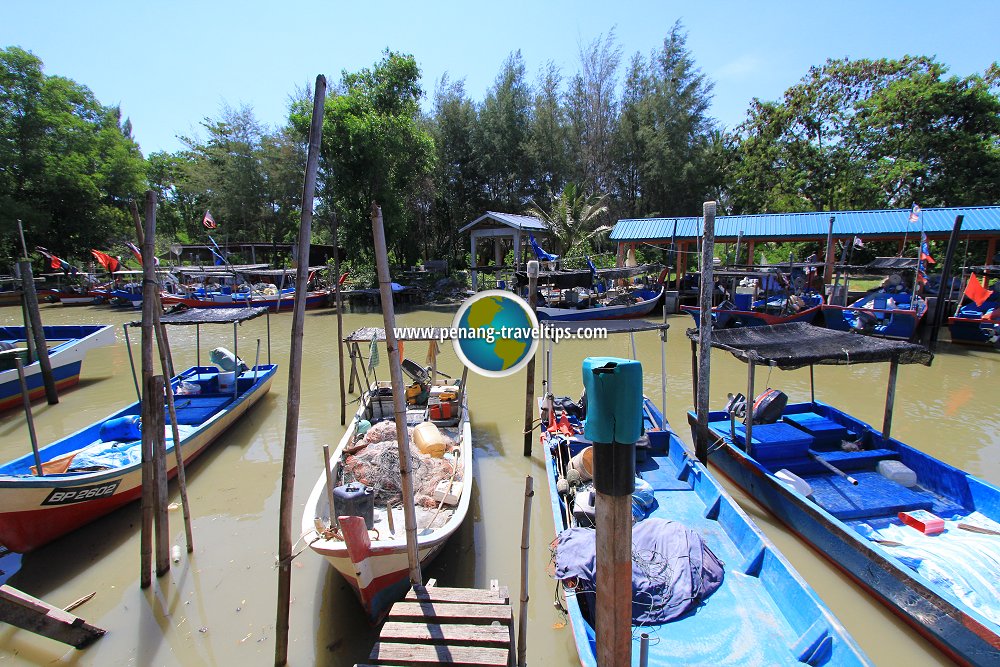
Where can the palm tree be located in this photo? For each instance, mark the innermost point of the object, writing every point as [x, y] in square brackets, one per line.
[572, 218]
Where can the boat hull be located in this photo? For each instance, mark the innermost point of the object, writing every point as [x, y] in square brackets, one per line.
[631, 311]
[728, 627]
[66, 359]
[973, 331]
[965, 637]
[274, 304]
[38, 509]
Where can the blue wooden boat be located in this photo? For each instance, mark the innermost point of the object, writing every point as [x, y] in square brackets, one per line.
[885, 313]
[855, 493]
[978, 324]
[68, 344]
[98, 469]
[763, 312]
[763, 613]
[638, 303]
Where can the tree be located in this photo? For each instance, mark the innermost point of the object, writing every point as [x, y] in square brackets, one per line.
[68, 164]
[375, 149]
[572, 218]
[548, 143]
[592, 107]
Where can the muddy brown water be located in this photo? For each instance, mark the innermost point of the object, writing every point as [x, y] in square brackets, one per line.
[217, 605]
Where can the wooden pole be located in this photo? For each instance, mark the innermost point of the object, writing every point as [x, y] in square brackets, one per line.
[529, 390]
[705, 330]
[340, 318]
[522, 613]
[161, 522]
[167, 364]
[29, 613]
[37, 332]
[939, 306]
[295, 379]
[26, 400]
[890, 399]
[329, 484]
[748, 419]
[398, 399]
[830, 256]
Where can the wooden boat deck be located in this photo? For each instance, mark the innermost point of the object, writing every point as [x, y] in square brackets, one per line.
[435, 625]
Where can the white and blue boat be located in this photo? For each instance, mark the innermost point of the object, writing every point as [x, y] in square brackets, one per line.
[761, 613]
[67, 344]
[96, 470]
[921, 535]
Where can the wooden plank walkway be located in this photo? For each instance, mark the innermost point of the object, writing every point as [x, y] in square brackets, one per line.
[448, 626]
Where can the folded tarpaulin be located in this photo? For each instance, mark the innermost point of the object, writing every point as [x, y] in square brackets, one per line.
[673, 570]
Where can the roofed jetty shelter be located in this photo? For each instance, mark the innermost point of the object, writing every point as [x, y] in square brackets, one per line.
[498, 227]
[980, 223]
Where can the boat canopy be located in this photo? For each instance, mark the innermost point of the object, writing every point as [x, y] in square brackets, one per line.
[798, 344]
[208, 316]
[585, 277]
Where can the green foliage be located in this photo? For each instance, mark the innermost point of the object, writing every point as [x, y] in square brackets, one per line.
[573, 219]
[68, 165]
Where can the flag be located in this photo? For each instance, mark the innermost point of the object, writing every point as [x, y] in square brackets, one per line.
[977, 291]
[925, 253]
[56, 263]
[858, 243]
[921, 277]
[208, 220]
[105, 260]
[135, 251]
[373, 356]
[915, 214]
[590, 265]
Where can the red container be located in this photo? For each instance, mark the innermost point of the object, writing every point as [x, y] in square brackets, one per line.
[441, 411]
[922, 520]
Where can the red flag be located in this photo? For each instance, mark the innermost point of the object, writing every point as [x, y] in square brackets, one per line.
[105, 260]
[208, 220]
[976, 291]
[925, 253]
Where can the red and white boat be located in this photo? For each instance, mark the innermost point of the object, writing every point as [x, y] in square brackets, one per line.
[374, 560]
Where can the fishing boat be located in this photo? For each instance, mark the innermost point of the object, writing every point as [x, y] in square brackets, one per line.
[919, 534]
[276, 302]
[760, 612]
[364, 537]
[10, 291]
[67, 345]
[764, 295]
[978, 323]
[893, 313]
[596, 294]
[96, 470]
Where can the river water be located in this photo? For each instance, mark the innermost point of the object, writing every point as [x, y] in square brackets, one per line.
[217, 605]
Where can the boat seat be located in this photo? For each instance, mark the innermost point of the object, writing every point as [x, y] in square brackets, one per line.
[874, 496]
[822, 429]
[776, 441]
[196, 409]
[864, 459]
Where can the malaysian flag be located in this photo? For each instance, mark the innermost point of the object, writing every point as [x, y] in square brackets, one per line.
[208, 220]
[925, 253]
[915, 214]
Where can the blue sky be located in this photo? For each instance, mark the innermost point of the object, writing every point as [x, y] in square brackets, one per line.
[170, 64]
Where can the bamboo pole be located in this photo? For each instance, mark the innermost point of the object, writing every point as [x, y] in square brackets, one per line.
[529, 391]
[149, 403]
[705, 331]
[522, 613]
[398, 400]
[161, 522]
[37, 332]
[26, 401]
[340, 319]
[295, 379]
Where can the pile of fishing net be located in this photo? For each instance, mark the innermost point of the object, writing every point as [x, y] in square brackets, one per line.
[375, 463]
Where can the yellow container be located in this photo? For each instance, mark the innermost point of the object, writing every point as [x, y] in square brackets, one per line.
[429, 439]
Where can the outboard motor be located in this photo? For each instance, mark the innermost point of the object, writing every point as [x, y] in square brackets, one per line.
[768, 406]
[737, 406]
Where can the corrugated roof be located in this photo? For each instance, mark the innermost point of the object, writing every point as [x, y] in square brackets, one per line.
[936, 221]
[527, 223]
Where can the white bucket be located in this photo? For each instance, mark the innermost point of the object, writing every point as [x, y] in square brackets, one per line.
[226, 380]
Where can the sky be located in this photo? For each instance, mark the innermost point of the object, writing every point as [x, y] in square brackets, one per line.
[171, 64]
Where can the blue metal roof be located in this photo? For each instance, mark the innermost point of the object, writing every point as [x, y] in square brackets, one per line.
[980, 220]
[522, 222]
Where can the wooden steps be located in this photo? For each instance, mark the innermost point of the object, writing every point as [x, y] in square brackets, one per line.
[448, 626]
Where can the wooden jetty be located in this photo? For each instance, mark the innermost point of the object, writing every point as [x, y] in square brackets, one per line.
[29, 613]
[435, 625]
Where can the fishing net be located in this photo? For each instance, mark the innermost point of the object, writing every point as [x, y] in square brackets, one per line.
[377, 465]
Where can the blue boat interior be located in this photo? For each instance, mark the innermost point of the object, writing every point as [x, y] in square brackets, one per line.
[760, 599]
[193, 411]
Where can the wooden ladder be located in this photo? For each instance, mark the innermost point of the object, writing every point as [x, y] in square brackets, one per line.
[448, 626]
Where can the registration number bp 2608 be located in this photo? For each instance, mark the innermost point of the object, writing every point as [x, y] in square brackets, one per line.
[80, 494]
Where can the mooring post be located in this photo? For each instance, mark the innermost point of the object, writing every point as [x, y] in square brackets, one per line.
[705, 331]
[529, 391]
[398, 398]
[830, 258]
[37, 332]
[161, 522]
[614, 424]
[340, 319]
[522, 613]
[295, 378]
[26, 401]
[890, 398]
[939, 305]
